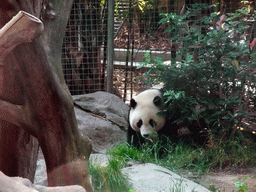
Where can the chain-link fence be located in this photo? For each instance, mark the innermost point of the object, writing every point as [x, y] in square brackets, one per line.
[136, 31]
[83, 64]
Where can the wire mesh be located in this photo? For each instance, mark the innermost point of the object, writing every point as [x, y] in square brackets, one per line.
[82, 61]
[137, 31]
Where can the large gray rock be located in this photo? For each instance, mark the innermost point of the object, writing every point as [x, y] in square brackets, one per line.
[19, 184]
[103, 117]
[106, 105]
[153, 178]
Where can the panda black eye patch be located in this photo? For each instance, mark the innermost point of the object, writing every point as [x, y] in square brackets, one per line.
[152, 123]
[139, 123]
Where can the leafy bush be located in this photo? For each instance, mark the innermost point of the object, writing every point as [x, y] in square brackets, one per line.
[213, 74]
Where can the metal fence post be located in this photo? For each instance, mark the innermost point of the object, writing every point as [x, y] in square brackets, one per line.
[110, 46]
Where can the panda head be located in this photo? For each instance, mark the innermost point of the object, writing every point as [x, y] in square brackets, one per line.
[144, 114]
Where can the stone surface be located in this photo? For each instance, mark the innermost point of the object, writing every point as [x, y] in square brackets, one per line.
[103, 117]
[41, 175]
[106, 105]
[153, 178]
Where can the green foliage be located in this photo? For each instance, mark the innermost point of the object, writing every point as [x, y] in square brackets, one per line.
[109, 178]
[143, 12]
[172, 156]
[125, 153]
[177, 157]
[213, 74]
[213, 188]
[178, 187]
[180, 156]
[236, 151]
[240, 185]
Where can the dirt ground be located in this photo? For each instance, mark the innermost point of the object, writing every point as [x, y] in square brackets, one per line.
[223, 179]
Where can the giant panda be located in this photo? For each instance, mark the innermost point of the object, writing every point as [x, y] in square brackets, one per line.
[147, 120]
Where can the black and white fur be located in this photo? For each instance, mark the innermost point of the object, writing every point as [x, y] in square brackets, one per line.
[146, 120]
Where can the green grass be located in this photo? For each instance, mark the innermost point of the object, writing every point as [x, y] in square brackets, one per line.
[109, 178]
[174, 157]
[178, 157]
[232, 152]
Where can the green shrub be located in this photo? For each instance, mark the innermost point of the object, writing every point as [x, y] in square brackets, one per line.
[213, 74]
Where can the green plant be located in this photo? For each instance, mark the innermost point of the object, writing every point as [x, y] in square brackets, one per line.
[240, 185]
[124, 153]
[213, 75]
[213, 188]
[177, 186]
[173, 156]
[143, 12]
[234, 151]
[180, 156]
[109, 178]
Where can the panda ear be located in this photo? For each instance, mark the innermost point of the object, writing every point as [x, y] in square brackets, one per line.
[133, 103]
[157, 101]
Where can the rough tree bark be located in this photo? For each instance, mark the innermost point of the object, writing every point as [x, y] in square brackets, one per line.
[45, 105]
[19, 149]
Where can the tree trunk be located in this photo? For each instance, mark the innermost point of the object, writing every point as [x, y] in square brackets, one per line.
[46, 108]
[18, 151]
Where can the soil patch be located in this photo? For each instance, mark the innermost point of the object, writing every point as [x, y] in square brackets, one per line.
[223, 179]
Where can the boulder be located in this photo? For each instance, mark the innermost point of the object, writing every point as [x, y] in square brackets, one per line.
[149, 177]
[19, 184]
[103, 117]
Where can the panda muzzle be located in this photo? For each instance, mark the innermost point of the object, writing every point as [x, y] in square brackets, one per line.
[150, 136]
